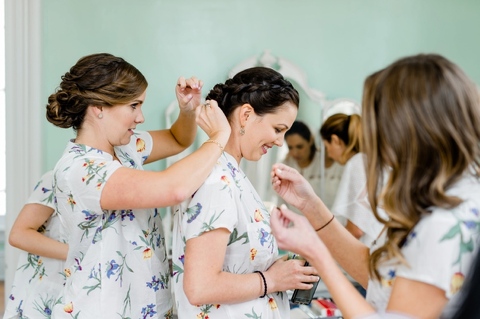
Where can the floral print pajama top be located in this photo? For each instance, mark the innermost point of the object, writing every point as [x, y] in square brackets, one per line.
[117, 264]
[228, 200]
[440, 249]
[38, 280]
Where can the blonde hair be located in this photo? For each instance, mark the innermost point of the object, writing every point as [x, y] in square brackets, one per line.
[348, 128]
[421, 126]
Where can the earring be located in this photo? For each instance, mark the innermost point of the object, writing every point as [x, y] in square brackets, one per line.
[242, 131]
[100, 116]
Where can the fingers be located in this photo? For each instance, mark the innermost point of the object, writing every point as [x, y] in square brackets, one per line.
[191, 83]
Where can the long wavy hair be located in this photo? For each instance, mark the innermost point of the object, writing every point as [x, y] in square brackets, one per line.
[421, 124]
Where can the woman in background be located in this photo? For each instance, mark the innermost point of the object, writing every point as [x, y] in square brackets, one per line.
[304, 156]
[341, 134]
[424, 171]
[225, 260]
[117, 263]
[39, 277]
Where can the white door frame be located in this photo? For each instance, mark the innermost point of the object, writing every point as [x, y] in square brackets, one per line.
[24, 113]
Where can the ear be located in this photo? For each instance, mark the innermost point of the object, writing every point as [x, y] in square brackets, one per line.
[246, 110]
[335, 139]
[97, 110]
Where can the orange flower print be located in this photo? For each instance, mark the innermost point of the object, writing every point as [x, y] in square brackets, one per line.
[202, 315]
[258, 215]
[253, 253]
[88, 163]
[68, 308]
[272, 303]
[147, 253]
[40, 262]
[140, 145]
[387, 282]
[85, 177]
[217, 306]
[70, 200]
[456, 282]
[225, 180]
[67, 272]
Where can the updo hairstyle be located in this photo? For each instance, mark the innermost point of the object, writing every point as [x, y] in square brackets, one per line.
[95, 80]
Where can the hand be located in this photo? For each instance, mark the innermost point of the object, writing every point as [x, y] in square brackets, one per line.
[294, 232]
[189, 93]
[289, 274]
[213, 121]
[291, 186]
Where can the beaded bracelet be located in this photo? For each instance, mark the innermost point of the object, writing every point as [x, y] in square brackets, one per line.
[215, 142]
[264, 283]
[326, 224]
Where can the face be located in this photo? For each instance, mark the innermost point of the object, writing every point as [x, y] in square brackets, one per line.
[264, 132]
[299, 149]
[335, 149]
[122, 119]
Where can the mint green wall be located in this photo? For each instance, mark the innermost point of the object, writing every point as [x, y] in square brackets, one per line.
[337, 42]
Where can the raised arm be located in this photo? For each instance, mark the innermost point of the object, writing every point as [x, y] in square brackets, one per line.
[181, 134]
[142, 189]
[25, 235]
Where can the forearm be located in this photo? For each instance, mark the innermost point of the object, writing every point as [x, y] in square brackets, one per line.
[184, 129]
[223, 288]
[38, 244]
[348, 251]
[347, 298]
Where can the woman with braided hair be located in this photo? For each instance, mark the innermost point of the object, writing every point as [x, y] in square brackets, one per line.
[225, 259]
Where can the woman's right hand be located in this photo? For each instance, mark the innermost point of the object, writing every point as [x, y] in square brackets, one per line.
[291, 186]
[290, 274]
[213, 121]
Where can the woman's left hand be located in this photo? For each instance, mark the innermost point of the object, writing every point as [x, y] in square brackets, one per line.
[189, 93]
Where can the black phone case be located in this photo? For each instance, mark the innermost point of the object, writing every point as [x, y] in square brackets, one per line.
[304, 297]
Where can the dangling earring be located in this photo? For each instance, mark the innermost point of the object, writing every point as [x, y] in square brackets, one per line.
[242, 131]
[100, 116]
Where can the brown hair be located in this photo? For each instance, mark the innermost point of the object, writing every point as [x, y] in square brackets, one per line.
[421, 129]
[98, 79]
[348, 128]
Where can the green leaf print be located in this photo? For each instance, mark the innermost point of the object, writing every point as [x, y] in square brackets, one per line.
[207, 227]
[234, 237]
[253, 315]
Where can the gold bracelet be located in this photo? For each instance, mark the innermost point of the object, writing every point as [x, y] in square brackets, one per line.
[215, 142]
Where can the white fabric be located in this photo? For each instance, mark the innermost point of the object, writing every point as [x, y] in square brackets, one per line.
[352, 202]
[38, 280]
[313, 174]
[228, 200]
[439, 250]
[117, 264]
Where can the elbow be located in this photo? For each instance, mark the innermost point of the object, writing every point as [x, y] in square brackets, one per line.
[194, 295]
[15, 239]
[180, 193]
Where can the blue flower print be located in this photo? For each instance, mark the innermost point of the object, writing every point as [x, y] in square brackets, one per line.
[112, 267]
[263, 236]
[409, 238]
[193, 212]
[148, 311]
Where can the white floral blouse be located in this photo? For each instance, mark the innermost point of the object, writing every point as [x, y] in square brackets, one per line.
[439, 250]
[38, 280]
[117, 264]
[228, 200]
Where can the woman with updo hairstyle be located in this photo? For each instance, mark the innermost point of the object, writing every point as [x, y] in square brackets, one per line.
[421, 132]
[305, 157]
[117, 263]
[225, 260]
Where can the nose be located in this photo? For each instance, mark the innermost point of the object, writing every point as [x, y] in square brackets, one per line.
[279, 141]
[140, 118]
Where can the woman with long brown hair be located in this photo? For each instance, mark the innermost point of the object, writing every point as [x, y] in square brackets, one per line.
[421, 126]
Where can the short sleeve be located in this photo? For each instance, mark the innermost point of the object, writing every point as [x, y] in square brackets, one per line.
[351, 200]
[143, 143]
[43, 191]
[212, 206]
[437, 251]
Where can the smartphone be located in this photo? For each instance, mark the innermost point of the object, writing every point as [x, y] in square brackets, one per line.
[302, 296]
